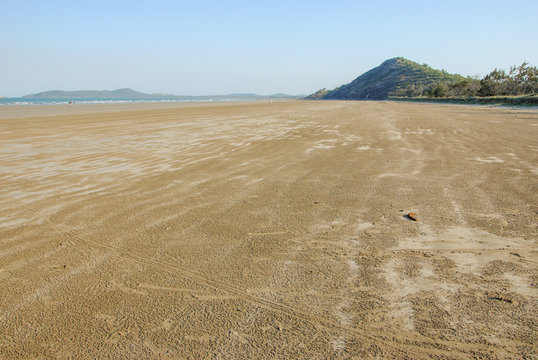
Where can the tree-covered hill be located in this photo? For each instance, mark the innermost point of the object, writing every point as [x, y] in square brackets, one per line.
[392, 76]
[401, 77]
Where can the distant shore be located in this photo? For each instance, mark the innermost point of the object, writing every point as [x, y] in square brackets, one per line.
[14, 111]
[25, 101]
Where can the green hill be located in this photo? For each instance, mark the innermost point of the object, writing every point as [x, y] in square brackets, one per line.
[397, 76]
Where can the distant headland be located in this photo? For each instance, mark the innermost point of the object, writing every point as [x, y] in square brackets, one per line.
[130, 94]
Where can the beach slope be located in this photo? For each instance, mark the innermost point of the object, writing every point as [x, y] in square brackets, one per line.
[268, 230]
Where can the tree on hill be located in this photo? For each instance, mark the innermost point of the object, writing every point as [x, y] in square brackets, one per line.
[439, 90]
[465, 87]
[318, 94]
[520, 80]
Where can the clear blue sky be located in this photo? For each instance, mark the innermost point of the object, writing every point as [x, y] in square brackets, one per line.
[221, 47]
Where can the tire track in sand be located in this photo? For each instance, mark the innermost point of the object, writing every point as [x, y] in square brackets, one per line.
[438, 347]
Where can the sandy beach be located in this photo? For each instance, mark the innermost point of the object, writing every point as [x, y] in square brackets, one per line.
[268, 231]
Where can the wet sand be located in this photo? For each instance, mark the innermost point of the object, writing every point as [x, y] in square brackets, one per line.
[258, 230]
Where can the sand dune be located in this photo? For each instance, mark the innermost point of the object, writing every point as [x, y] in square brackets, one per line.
[268, 230]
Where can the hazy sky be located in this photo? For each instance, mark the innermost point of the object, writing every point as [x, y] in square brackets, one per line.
[264, 47]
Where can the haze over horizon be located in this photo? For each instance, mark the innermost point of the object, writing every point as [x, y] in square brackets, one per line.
[242, 47]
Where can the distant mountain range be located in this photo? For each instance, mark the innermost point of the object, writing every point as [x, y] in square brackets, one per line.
[393, 77]
[130, 94]
[100, 94]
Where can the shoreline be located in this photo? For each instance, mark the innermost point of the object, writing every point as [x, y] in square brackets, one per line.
[22, 111]
[36, 111]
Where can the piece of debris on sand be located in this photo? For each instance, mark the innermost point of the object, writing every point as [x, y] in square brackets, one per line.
[412, 216]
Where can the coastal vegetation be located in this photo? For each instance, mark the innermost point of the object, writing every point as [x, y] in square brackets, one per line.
[523, 100]
[403, 79]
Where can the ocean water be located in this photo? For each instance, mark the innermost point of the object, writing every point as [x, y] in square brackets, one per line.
[60, 101]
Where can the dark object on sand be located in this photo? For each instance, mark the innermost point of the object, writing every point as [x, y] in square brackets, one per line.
[412, 216]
